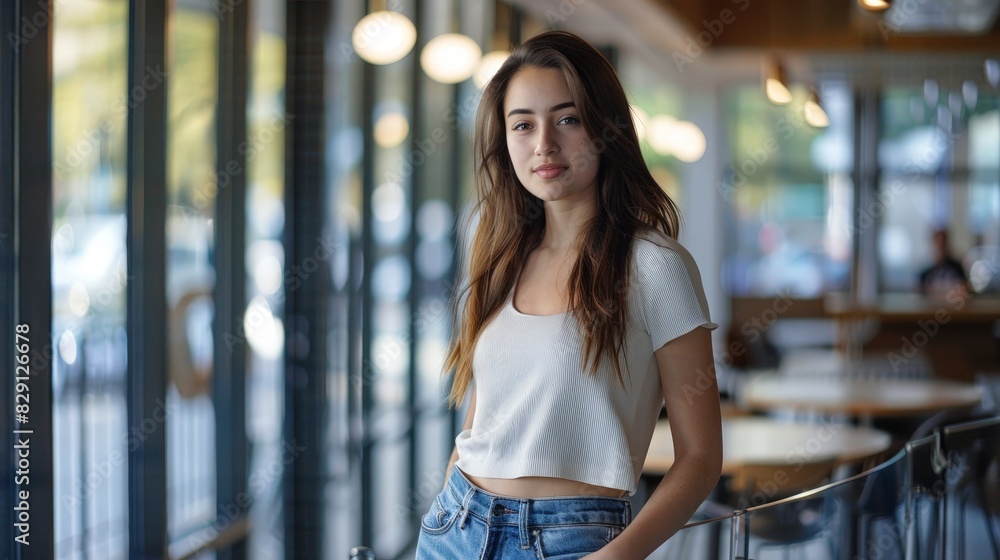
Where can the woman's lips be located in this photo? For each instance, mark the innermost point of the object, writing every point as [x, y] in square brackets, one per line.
[550, 170]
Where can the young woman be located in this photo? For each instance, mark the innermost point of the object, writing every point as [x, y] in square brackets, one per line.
[580, 318]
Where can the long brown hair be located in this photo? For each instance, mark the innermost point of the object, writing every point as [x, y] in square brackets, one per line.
[512, 220]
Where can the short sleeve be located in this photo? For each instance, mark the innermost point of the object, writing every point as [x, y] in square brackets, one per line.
[672, 297]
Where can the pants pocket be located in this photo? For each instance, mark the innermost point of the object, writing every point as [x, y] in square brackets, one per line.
[441, 515]
[571, 542]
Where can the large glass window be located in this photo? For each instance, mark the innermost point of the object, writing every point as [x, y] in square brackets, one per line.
[265, 259]
[789, 189]
[938, 155]
[89, 277]
[192, 187]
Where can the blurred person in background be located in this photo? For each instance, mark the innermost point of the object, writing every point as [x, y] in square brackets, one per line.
[946, 273]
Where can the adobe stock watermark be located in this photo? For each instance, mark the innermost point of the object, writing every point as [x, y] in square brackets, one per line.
[591, 154]
[424, 148]
[393, 349]
[30, 28]
[695, 45]
[927, 329]
[884, 198]
[887, 543]
[896, 17]
[258, 314]
[757, 158]
[371, 31]
[429, 488]
[223, 7]
[563, 11]
[102, 470]
[89, 145]
[261, 479]
[754, 329]
[811, 451]
[249, 149]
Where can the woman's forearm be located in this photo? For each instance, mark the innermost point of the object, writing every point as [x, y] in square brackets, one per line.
[668, 509]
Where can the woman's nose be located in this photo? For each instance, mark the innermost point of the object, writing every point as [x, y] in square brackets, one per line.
[546, 141]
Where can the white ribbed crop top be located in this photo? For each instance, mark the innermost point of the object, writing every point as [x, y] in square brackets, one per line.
[538, 414]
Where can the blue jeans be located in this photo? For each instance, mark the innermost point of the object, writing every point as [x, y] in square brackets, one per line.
[468, 523]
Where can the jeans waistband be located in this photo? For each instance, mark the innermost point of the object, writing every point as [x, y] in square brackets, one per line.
[538, 512]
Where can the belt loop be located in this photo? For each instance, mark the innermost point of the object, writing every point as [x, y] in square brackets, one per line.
[628, 512]
[522, 524]
[466, 502]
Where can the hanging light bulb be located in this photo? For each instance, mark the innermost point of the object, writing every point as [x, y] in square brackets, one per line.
[383, 37]
[875, 5]
[688, 142]
[488, 66]
[814, 113]
[450, 58]
[775, 86]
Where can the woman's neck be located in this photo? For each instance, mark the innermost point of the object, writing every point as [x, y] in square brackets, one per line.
[564, 224]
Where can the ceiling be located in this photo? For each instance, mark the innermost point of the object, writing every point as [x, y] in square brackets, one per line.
[714, 42]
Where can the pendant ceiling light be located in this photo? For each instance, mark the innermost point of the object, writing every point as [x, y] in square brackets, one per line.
[453, 57]
[450, 58]
[488, 66]
[874, 5]
[814, 113]
[775, 86]
[383, 36]
[493, 60]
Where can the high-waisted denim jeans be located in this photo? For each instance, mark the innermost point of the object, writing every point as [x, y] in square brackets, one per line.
[468, 523]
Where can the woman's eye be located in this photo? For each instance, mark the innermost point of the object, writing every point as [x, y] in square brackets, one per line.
[569, 120]
[520, 126]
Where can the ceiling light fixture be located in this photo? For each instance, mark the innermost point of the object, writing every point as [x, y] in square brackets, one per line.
[775, 86]
[493, 60]
[383, 37]
[875, 5]
[450, 58]
[814, 113]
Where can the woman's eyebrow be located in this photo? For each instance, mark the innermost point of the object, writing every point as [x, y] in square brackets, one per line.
[553, 109]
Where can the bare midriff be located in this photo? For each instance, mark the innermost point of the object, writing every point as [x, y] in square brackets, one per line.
[542, 487]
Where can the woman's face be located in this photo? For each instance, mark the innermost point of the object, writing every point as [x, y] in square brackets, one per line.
[552, 154]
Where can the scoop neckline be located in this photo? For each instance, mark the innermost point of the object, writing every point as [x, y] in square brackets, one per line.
[510, 304]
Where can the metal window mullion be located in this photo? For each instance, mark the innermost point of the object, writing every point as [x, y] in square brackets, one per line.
[416, 282]
[32, 280]
[8, 25]
[229, 357]
[367, 258]
[307, 288]
[146, 293]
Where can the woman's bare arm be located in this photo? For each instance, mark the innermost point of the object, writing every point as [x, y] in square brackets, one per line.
[467, 425]
[687, 371]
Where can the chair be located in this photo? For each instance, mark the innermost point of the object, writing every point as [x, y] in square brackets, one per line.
[924, 477]
[990, 382]
[970, 448]
[879, 500]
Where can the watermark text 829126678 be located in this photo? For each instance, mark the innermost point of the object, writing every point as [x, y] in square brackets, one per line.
[22, 437]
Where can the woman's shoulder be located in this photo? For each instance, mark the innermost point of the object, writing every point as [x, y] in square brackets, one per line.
[653, 245]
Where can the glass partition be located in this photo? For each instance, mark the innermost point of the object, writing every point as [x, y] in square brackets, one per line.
[91, 435]
[192, 188]
[707, 535]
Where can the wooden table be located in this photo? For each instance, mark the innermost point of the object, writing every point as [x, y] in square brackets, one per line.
[861, 398]
[749, 441]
